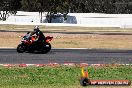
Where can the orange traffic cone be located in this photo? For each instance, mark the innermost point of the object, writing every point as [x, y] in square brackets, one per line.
[84, 81]
[84, 73]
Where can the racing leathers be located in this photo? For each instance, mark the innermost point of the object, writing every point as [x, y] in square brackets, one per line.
[40, 36]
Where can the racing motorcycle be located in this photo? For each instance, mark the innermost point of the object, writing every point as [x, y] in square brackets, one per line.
[27, 44]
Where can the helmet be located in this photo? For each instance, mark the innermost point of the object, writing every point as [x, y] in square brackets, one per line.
[36, 29]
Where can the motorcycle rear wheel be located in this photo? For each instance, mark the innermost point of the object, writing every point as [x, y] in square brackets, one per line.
[46, 48]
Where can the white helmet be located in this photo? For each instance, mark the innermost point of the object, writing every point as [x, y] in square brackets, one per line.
[36, 28]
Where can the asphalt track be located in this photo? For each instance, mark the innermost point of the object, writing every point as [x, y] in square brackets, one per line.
[90, 56]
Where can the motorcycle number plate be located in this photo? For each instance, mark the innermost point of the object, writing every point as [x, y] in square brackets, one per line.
[47, 45]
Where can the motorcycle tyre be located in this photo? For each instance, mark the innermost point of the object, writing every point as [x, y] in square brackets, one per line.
[45, 49]
[21, 48]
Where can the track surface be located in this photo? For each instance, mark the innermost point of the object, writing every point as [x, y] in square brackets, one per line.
[90, 56]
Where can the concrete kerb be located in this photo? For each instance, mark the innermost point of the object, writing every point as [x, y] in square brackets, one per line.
[63, 64]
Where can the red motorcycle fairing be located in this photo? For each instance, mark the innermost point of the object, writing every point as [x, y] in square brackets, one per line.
[29, 41]
[48, 38]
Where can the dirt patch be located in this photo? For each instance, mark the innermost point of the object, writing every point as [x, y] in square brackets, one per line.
[12, 39]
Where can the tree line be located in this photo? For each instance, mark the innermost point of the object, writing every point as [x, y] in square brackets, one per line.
[65, 6]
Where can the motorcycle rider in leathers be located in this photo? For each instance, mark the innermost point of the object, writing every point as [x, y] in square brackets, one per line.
[39, 34]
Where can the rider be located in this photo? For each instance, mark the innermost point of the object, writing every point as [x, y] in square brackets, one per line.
[40, 35]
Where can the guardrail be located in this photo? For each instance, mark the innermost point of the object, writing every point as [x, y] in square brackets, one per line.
[59, 24]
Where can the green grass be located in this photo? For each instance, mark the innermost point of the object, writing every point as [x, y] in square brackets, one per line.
[63, 77]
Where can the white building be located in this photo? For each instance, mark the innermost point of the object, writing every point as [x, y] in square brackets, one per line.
[89, 19]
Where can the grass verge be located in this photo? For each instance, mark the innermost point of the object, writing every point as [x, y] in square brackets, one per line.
[63, 77]
[65, 29]
[11, 39]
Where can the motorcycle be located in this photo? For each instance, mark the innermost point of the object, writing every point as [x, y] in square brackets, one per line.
[27, 44]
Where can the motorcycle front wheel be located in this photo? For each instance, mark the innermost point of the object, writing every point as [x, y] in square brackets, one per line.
[21, 48]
